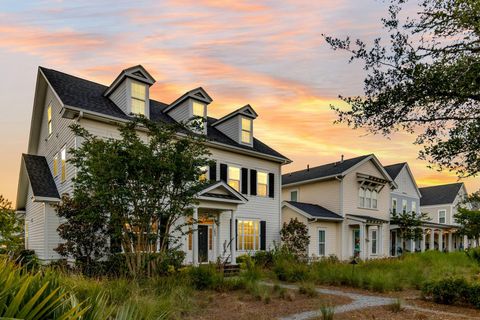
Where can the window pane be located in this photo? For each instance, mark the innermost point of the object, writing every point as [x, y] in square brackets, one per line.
[234, 173]
[138, 91]
[138, 106]
[246, 124]
[55, 165]
[198, 109]
[293, 196]
[64, 164]
[49, 121]
[248, 235]
[374, 241]
[246, 136]
[262, 184]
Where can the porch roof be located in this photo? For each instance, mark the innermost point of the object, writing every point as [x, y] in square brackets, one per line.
[313, 211]
[367, 219]
[219, 191]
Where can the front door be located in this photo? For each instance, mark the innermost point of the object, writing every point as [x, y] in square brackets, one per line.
[202, 243]
[356, 242]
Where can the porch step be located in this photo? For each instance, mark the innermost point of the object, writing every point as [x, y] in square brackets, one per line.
[230, 270]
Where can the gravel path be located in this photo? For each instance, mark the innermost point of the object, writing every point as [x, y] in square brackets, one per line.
[359, 301]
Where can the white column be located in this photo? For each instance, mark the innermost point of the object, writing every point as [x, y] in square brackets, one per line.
[380, 241]
[233, 243]
[412, 245]
[440, 240]
[432, 239]
[422, 243]
[450, 242]
[362, 242]
[195, 237]
[465, 242]
[218, 251]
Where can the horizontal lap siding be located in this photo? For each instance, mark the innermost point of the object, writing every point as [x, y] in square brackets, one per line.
[35, 215]
[324, 193]
[119, 96]
[432, 212]
[231, 128]
[257, 208]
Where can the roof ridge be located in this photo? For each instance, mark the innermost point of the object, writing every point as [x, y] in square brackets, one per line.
[326, 164]
[442, 185]
[395, 164]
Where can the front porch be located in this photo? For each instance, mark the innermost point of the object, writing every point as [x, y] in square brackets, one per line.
[211, 231]
[365, 237]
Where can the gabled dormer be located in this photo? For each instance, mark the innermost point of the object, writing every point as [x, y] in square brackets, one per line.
[191, 109]
[238, 125]
[130, 91]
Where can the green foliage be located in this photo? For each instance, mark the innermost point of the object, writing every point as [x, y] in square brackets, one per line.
[447, 291]
[295, 238]
[205, 277]
[396, 306]
[327, 312]
[288, 268]
[251, 271]
[413, 81]
[11, 227]
[308, 289]
[409, 224]
[469, 221]
[474, 254]
[131, 191]
[264, 259]
[27, 258]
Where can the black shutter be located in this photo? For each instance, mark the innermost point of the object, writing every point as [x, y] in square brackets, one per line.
[253, 182]
[271, 185]
[213, 171]
[223, 172]
[244, 180]
[263, 235]
[236, 235]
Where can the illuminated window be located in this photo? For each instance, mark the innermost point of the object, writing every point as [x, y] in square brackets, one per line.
[234, 177]
[203, 174]
[49, 119]
[262, 184]
[199, 111]
[246, 130]
[248, 237]
[63, 155]
[138, 98]
[55, 165]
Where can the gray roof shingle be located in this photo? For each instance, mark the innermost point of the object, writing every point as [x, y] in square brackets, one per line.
[442, 194]
[394, 169]
[88, 95]
[330, 169]
[40, 176]
[315, 210]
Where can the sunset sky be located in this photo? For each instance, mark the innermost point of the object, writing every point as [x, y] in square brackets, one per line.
[269, 54]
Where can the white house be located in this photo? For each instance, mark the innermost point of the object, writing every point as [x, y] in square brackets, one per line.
[346, 205]
[240, 206]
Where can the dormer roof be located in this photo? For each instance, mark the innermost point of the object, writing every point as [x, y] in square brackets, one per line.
[246, 111]
[198, 94]
[136, 72]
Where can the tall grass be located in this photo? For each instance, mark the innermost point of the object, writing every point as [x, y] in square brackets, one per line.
[409, 271]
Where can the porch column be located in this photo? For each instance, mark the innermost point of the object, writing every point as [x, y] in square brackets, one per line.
[440, 240]
[195, 237]
[380, 240]
[432, 239]
[218, 251]
[362, 242]
[233, 242]
[412, 245]
[450, 242]
[422, 242]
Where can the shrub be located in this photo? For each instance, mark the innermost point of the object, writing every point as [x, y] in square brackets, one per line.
[327, 312]
[447, 291]
[27, 258]
[295, 238]
[474, 295]
[288, 268]
[308, 289]
[205, 277]
[251, 272]
[264, 259]
[474, 254]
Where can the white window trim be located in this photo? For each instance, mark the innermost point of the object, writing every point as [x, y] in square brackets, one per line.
[445, 217]
[294, 190]
[266, 193]
[254, 243]
[394, 208]
[376, 242]
[371, 190]
[239, 175]
[50, 123]
[192, 115]
[324, 243]
[404, 205]
[241, 130]
[63, 179]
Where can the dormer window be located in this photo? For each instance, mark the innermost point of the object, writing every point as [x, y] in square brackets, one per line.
[198, 110]
[246, 130]
[138, 97]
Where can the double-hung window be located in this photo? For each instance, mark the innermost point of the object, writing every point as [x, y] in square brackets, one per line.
[234, 177]
[246, 130]
[199, 112]
[404, 206]
[321, 243]
[262, 184]
[361, 197]
[442, 216]
[394, 205]
[55, 165]
[49, 119]
[138, 98]
[63, 155]
[414, 207]
[374, 241]
[248, 236]
[367, 198]
[374, 199]
[203, 174]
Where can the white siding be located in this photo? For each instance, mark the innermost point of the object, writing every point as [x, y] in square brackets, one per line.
[119, 96]
[181, 113]
[35, 215]
[325, 193]
[405, 184]
[231, 128]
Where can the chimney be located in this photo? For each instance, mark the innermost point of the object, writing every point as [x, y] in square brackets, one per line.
[341, 161]
[308, 167]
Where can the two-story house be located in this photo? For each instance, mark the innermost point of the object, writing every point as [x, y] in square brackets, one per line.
[241, 206]
[345, 204]
[441, 204]
[405, 198]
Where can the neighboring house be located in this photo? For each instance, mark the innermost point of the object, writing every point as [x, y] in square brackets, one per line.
[405, 198]
[441, 204]
[240, 206]
[346, 205]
